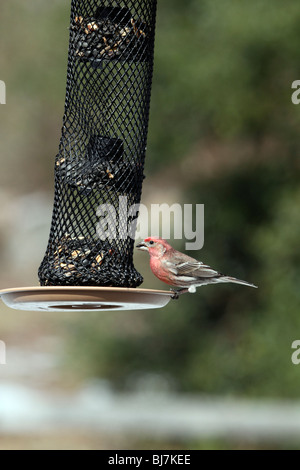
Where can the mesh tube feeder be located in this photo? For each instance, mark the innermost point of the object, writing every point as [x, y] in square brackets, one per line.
[100, 162]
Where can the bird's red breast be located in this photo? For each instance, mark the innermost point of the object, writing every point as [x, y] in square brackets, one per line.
[160, 271]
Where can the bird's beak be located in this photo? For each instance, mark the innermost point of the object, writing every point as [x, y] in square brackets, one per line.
[142, 246]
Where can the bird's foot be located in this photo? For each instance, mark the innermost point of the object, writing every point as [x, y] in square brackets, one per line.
[177, 293]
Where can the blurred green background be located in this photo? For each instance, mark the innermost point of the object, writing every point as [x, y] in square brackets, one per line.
[224, 133]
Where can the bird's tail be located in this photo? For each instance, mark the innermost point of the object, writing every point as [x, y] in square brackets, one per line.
[235, 281]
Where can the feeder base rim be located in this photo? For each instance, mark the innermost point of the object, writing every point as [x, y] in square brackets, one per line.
[70, 299]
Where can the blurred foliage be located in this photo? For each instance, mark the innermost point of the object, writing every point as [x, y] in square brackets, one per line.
[223, 70]
[223, 74]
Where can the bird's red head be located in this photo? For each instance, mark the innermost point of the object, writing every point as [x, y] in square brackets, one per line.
[154, 245]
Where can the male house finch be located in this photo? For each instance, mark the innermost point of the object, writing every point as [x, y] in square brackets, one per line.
[179, 270]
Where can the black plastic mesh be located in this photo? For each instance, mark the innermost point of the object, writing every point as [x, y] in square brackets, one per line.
[102, 148]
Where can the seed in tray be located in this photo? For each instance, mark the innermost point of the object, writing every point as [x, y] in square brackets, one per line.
[99, 258]
[71, 267]
[78, 19]
[61, 160]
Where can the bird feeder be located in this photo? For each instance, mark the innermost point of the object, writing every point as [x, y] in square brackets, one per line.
[100, 162]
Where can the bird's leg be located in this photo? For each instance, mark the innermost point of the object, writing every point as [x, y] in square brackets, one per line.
[175, 295]
[178, 292]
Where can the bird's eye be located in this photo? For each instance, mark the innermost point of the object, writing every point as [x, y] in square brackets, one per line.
[151, 243]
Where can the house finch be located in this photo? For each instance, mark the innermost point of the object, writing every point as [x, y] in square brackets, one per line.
[179, 270]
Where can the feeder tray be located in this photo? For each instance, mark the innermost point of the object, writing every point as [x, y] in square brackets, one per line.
[68, 299]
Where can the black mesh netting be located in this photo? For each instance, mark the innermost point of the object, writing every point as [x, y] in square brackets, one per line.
[102, 148]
